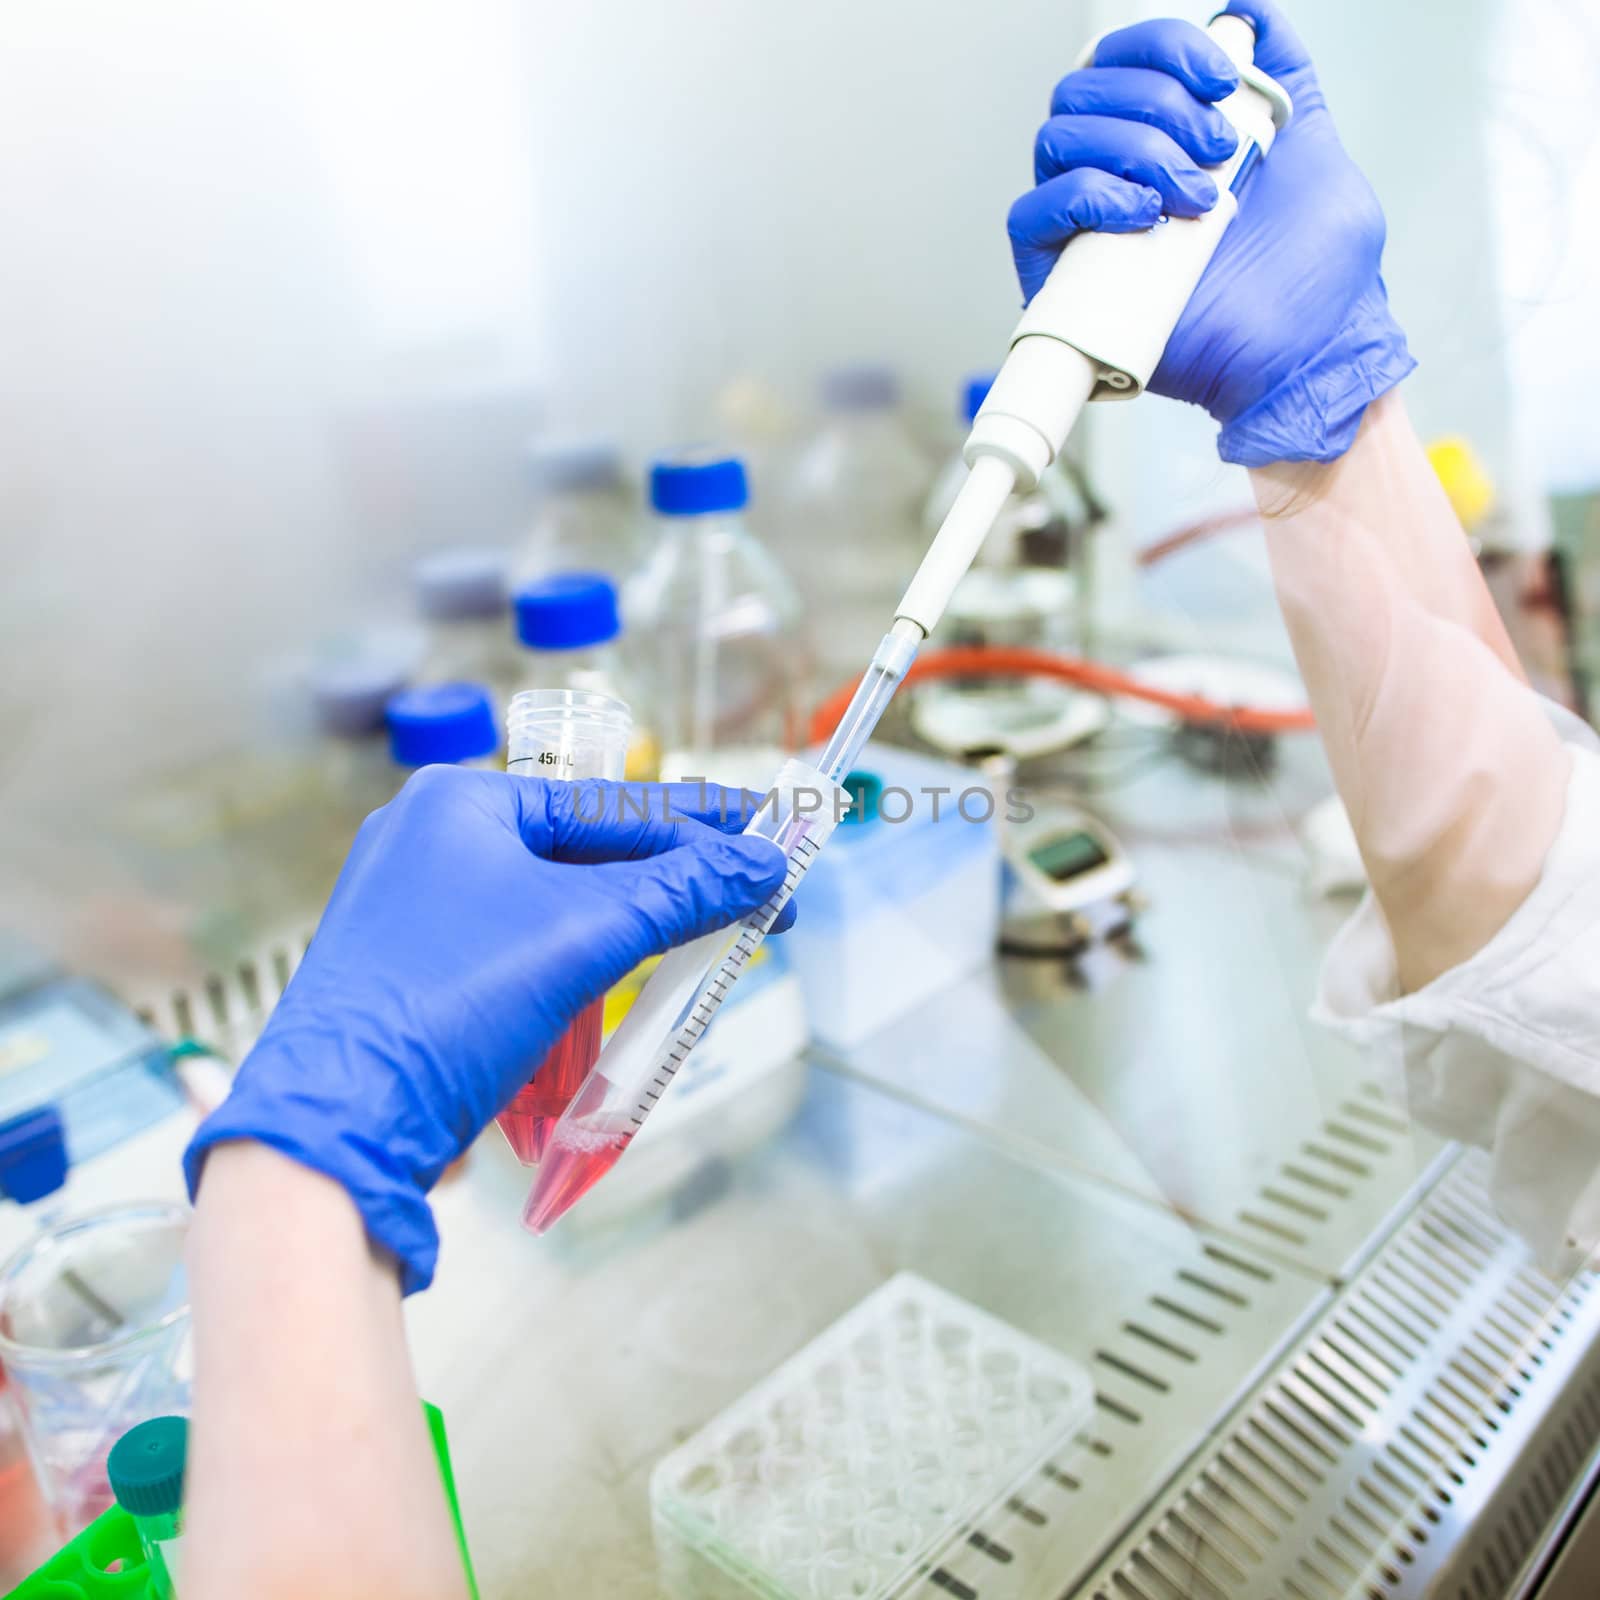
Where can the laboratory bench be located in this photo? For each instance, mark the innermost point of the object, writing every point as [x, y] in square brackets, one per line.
[1321, 1366]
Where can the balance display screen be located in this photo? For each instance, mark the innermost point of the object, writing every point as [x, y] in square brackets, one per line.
[1068, 855]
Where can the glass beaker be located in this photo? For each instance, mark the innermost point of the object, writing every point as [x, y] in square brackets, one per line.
[568, 735]
[94, 1337]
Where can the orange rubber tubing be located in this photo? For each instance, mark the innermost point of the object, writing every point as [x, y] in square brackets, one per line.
[986, 661]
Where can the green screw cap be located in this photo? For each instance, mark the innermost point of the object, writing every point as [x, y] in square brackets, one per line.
[146, 1466]
[865, 790]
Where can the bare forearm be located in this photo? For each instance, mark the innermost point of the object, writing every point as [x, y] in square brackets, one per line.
[311, 1473]
[1453, 778]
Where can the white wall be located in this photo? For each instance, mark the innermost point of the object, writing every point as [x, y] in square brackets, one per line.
[773, 188]
[285, 281]
[1546, 199]
[1409, 90]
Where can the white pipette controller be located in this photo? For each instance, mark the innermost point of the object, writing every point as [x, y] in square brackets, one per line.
[1095, 331]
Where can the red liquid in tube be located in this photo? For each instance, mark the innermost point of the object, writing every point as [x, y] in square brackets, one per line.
[527, 1121]
[573, 1165]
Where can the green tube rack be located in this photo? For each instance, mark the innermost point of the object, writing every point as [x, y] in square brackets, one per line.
[80, 1570]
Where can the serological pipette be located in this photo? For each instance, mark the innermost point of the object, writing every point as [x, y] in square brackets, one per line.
[1095, 331]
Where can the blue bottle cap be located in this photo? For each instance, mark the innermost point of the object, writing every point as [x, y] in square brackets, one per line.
[350, 696]
[695, 485]
[974, 392]
[441, 722]
[575, 466]
[860, 388]
[567, 611]
[146, 1464]
[33, 1155]
[456, 585]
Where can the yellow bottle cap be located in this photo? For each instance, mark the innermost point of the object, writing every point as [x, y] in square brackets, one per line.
[1465, 479]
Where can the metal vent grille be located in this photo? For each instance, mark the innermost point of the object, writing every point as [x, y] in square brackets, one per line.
[1170, 1366]
[227, 1008]
[1332, 1189]
[1547, 1486]
[1373, 1461]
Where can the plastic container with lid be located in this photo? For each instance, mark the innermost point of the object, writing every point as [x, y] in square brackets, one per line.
[464, 598]
[570, 628]
[850, 517]
[585, 511]
[71, 1045]
[146, 1468]
[449, 724]
[904, 901]
[716, 629]
[357, 776]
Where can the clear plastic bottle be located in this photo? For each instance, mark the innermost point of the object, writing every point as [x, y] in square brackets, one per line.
[716, 629]
[585, 514]
[570, 626]
[448, 724]
[464, 597]
[851, 516]
[357, 776]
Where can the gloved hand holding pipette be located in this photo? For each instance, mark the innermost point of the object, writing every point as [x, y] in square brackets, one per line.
[1097, 326]
[1289, 336]
[1468, 971]
[476, 915]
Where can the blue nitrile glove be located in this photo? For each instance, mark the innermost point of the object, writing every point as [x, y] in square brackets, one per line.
[477, 914]
[1288, 337]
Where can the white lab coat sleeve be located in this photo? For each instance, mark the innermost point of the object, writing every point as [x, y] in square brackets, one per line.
[1503, 1050]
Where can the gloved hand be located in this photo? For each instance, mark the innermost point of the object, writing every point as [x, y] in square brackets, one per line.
[1288, 337]
[477, 914]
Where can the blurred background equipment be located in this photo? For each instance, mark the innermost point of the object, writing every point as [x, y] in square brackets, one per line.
[717, 629]
[464, 601]
[586, 515]
[849, 519]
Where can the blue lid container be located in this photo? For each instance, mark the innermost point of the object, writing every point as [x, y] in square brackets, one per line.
[33, 1155]
[863, 387]
[974, 392]
[441, 722]
[350, 696]
[568, 611]
[459, 585]
[698, 485]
